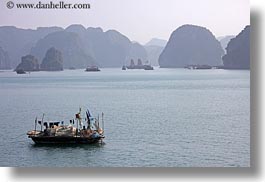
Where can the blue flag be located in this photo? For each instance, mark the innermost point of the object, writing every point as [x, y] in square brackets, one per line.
[88, 114]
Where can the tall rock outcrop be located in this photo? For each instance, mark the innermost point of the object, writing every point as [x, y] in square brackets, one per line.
[190, 44]
[53, 60]
[238, 51]
[28, 63]
[5, 62]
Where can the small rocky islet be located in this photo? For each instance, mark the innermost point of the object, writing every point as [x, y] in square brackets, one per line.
[28, 63]
[53, 60]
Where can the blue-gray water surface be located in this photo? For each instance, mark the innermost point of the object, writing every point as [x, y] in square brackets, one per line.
[160, 118]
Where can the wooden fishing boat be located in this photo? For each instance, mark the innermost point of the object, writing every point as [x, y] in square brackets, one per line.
[76, 132]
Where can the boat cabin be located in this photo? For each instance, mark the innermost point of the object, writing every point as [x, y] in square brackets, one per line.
[51, 124]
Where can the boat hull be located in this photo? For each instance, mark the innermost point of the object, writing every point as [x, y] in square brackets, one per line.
[64, 140]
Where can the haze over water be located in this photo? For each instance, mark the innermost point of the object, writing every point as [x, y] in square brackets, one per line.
[162, 118]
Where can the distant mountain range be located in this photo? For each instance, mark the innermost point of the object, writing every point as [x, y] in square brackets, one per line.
[82, 47]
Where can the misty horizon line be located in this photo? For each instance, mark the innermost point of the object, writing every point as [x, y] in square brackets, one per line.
[112, 29]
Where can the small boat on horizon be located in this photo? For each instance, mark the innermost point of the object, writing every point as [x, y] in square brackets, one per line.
[92, 68]
[198, 67]
[71, 68]
[148, 67]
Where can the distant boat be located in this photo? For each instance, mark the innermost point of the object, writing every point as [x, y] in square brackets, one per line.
[92, 68]
[20, 71]
[123, 68]
[148, 67]
[198, 67]
[72, 68]
[139, 65]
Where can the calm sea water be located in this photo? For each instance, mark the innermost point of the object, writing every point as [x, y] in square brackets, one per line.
[165, 117]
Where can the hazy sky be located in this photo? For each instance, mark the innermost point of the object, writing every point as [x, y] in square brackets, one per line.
[139, 20]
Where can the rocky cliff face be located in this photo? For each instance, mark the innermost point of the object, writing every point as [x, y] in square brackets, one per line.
[190, 44]
[113, 49]
[110, 48]
[5, 62]
[28, 63]
[238, 51]
[53, 60]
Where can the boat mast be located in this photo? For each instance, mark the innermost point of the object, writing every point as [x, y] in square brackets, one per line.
[76, 127]
[78, 120]
[42, 121]
[102, 122]
[35, 125]
[98, 122]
